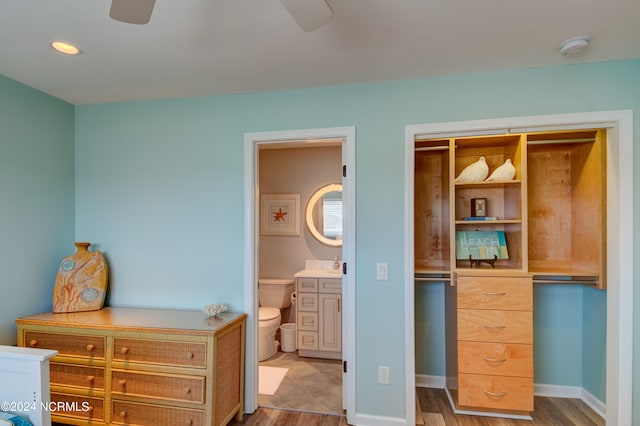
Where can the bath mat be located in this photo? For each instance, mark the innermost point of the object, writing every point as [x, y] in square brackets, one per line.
[269, 379]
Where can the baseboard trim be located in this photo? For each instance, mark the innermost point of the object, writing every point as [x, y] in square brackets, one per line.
[539, 389]
[369, 420]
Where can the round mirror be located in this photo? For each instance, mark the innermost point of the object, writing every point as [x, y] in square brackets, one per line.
[324, 215]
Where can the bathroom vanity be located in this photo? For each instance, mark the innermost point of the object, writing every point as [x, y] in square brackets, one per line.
[319, 313]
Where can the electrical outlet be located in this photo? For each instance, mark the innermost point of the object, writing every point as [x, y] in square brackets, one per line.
[383, 375]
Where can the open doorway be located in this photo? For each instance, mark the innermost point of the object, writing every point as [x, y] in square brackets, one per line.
[277, 165]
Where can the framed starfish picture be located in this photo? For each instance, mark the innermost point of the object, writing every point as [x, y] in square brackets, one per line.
[279, 214]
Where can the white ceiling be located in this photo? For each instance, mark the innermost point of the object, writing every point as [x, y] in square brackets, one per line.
[207, 47]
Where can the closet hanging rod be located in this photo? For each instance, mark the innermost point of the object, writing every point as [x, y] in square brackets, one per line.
[585, 282]
[550, 141]
[432, 148]
[432, 279]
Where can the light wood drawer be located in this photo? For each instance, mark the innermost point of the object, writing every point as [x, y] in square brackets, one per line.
[496, 392]
[308, 321]
[504, 293]
[495, 326]
[76, 375]
[130, 413]
[67, 344]
[75, 406]
[188, 354]
[308, 340]
[152, 385]
[307, 302]
[498, 359]
[307, 284]
[329, 285]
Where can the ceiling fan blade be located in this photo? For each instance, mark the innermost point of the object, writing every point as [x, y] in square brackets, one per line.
[132, 11]
[309, 14]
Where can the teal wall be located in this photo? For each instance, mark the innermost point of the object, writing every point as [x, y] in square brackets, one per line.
[37, 199]
[159, 187]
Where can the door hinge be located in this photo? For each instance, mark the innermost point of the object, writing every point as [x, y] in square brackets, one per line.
[344, 366]
[344, 171]
[344, 268]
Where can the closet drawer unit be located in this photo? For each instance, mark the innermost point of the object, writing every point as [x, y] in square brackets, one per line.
[67, 344]
[152, 385]
[495, 326]
[84, 407]
[504, 293]
[498, 359]
[183, 354]
[496, 392]
[130, 413]
[308, 321]
[329, 285]
[308, 340]
[307, 284]
[307, 302]
[91, 378]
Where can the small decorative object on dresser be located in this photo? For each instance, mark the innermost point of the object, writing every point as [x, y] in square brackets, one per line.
[474, 172]
[129, 366]
[81, 282]
[506, 171]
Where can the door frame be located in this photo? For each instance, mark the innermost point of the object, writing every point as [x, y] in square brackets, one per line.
[619, 352]
[251, 201]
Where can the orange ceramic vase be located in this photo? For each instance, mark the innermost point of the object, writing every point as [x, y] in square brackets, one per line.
[81, 282]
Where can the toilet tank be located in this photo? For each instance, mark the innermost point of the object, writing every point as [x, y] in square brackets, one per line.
[275, 292]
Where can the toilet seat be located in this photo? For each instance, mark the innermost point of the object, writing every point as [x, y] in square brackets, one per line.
[267, 314]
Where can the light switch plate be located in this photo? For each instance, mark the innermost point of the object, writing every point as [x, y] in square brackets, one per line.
[382, 271]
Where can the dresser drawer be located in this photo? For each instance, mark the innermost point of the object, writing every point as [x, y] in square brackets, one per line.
[495, 326]
[152, 385]
[496, 392]
[329, 285]
[308, 340]
[66, 344]
[307, 284]
[498, 359]
[506, 293]
[75, 406]
[308, 321]
[181, 354]
[91, 378]
[307, 302]
[130, 413]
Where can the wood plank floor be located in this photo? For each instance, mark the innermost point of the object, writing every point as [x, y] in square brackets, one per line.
[435, 410]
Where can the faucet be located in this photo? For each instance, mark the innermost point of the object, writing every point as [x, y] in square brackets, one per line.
[336, 262]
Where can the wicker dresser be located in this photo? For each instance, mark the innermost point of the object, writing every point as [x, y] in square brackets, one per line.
[129, 366]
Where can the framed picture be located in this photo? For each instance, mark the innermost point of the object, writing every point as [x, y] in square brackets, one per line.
[280, 214]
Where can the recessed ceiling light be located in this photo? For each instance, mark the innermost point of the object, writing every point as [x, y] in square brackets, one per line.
[66, 48]
[574, 45]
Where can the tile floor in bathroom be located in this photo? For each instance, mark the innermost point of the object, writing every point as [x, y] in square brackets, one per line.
[311, 384]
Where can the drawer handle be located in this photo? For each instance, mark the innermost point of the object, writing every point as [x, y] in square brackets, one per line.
[494, 393]
[494, 326]
[495, 359]
[124, 350]
[189, 422]
[190, 355]
[33, 343]
[123, 414]
[494, 293]
[187, 391]
[90, 379]
[122, 382]
[90, 347]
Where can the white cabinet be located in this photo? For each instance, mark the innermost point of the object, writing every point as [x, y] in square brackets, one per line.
[319, 317]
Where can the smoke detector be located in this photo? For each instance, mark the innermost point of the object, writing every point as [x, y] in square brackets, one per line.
[574, 45]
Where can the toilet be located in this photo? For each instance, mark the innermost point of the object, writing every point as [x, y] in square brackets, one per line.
[273, 295]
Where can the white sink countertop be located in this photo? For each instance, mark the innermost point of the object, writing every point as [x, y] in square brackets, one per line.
[314, 268]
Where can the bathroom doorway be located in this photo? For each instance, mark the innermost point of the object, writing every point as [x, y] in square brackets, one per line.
[292, 165]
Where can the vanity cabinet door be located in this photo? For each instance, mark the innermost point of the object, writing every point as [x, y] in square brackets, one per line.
[330, 306]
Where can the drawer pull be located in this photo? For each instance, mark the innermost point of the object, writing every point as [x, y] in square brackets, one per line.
[494, 293]
[33, 343]
[189, 422]
[90, 347]
[495, 359]
[190, 355]
[123, 414]
[494, 393]
[124, 350]
[122, 382]
[187, 391]
[494, 326]
[90, 379]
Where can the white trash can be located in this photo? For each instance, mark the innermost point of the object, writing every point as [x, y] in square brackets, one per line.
[288, 337]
